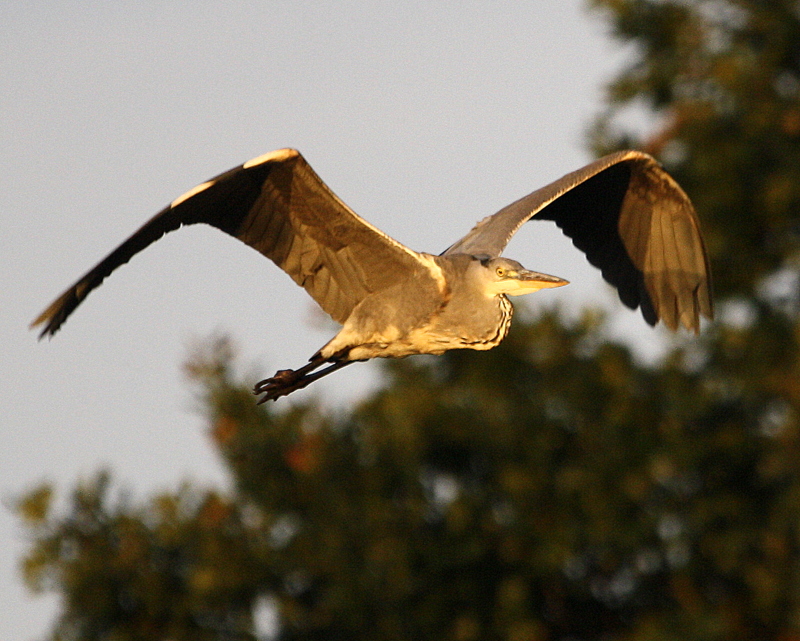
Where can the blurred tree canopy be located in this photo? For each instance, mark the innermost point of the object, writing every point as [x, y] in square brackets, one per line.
[552, 489]
[722, 78]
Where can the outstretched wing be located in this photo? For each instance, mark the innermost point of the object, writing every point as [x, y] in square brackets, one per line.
[279, 206]
[633, 222]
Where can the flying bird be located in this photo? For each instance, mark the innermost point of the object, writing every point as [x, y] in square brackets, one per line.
[629, 217]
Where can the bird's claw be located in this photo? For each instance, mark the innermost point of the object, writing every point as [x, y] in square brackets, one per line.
[286, 381]
[282, 377]
[276, 386]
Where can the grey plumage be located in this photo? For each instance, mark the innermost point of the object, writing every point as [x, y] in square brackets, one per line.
[624, 211]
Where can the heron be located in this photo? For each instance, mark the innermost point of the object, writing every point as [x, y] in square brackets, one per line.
[624, 211]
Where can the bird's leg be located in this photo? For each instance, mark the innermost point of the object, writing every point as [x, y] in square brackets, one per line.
[287, 381]
[287, 376]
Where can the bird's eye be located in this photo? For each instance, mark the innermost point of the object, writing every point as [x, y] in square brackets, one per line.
[500, 271]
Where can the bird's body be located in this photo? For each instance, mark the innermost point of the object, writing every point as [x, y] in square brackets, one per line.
[629, 217]
[454, 309]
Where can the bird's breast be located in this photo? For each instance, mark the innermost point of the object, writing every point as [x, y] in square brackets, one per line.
[461, 322]
[476, 324]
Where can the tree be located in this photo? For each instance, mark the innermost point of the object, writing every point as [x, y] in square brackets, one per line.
[548, 489]
[722, 78]
[551, 489]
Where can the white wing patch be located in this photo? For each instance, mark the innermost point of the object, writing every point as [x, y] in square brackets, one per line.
[278, 154]
[433, 267]
[192, 192]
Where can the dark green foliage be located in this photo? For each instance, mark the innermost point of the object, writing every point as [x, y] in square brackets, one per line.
[724, 78]
[550, 489]
[178, 567]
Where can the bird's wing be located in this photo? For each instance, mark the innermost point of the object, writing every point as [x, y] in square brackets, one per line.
[279, 206]
[633, 222]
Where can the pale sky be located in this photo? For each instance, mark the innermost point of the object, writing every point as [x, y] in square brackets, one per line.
[422, 116]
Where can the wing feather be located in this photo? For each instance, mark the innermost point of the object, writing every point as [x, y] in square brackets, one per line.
[279, 206]
[632, 221]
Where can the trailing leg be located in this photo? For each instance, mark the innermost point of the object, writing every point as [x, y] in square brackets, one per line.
[286, 381]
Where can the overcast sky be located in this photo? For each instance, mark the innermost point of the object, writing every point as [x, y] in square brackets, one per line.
[423, 117]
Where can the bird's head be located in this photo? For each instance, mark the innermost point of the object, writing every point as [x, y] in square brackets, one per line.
[505, 276]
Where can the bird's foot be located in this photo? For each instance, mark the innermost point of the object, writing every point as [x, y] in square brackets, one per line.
[287, 381]
[282, 383]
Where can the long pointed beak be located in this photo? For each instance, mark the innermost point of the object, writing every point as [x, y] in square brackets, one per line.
[527, 282]
[542, 280]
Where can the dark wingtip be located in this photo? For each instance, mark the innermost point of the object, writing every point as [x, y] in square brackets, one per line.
[47, 330]
[50, 326]
[54, 316]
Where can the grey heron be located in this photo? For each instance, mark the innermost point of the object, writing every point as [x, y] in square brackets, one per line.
[624, 211]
